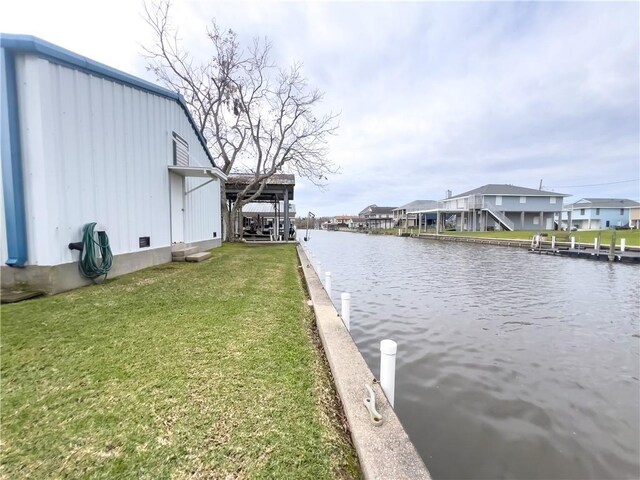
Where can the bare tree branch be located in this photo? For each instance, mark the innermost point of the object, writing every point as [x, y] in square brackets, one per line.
[252, 114]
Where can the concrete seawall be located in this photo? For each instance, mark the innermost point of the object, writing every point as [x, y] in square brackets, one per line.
[384, 451]
[546, 242]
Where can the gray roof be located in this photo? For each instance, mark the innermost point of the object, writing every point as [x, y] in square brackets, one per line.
[376, 209]
[495, 189]
[419, 205]
[604, 203]
[275, 179]
[274, 188]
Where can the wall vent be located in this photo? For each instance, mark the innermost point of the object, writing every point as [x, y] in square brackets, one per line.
[180, 151]
[144, 242]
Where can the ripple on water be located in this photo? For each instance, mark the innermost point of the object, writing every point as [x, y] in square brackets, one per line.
[502, 372]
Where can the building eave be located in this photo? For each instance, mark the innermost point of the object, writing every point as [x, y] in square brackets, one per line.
[62, 56]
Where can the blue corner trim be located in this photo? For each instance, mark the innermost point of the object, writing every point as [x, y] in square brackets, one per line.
[12, 184]
[54, 53]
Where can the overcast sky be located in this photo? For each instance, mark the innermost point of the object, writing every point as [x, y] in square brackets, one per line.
[433, 96]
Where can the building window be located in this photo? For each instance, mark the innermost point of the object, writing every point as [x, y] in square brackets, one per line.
[536, 220]
[552, 200]
[499, 200]
[597, 211]
[180, 151]
[622, 211]
[582, 211]
[523, 199]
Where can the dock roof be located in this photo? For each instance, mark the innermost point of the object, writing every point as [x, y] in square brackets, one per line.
[274, 190]
[267, 208]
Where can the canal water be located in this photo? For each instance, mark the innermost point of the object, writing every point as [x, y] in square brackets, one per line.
[510, 365]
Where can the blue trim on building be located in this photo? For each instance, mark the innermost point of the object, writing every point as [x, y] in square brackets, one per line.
[12, 184]
[31, 44]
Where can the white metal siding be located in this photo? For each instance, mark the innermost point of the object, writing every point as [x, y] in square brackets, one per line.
[97, 150]
[202, 210]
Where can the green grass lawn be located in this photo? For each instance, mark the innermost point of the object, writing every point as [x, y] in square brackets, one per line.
[207, 370]
[632, 236]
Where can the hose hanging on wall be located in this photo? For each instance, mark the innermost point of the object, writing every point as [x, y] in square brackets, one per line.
[88, 263]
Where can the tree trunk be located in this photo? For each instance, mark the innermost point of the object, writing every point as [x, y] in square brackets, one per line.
[225, 214]
[226, 220]
[233, 220]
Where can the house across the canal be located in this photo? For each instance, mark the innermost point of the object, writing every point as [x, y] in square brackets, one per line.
[377, 217]
[500, 207]
[598, 213]
[634, 217]
[413, 214]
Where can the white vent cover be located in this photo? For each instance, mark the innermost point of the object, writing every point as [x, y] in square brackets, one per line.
[180, 151]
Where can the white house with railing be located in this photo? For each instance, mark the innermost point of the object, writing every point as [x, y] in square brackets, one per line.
[502, 207]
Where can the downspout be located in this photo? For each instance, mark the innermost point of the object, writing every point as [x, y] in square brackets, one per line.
[12, 184]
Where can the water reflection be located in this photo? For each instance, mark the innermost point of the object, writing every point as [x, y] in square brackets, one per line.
[510, 365]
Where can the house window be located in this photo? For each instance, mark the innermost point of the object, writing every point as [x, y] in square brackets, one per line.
[498, 199]
[536, 220]
[552, 200]
[180, 151]
[597, 211]
[622, 211]
[582, 211]
[523, 199]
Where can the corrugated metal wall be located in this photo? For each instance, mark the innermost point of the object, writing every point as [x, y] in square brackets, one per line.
[97, 150]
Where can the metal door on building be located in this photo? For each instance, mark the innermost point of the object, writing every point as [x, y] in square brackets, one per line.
[177, 208]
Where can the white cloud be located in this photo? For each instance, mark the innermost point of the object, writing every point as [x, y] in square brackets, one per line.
[433, 95]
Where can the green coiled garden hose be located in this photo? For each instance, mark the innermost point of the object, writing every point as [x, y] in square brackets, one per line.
[88, 263]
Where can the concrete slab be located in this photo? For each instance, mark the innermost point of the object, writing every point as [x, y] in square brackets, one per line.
[184, 252]
[14, 296]
[179, 246]
[385, 451]
[198, 257]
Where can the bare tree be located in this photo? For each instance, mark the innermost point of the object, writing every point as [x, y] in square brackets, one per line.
[256, 118]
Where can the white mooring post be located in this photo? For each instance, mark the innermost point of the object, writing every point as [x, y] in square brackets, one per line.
[596, 245]
[327, 283]
[346, 310]
[623, 244]
[573, 243]
[553, 242]
[388, 350]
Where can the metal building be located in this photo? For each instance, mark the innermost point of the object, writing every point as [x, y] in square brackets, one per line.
[83, 142]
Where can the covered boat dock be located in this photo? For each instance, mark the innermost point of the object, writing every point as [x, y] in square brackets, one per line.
[277, 191]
